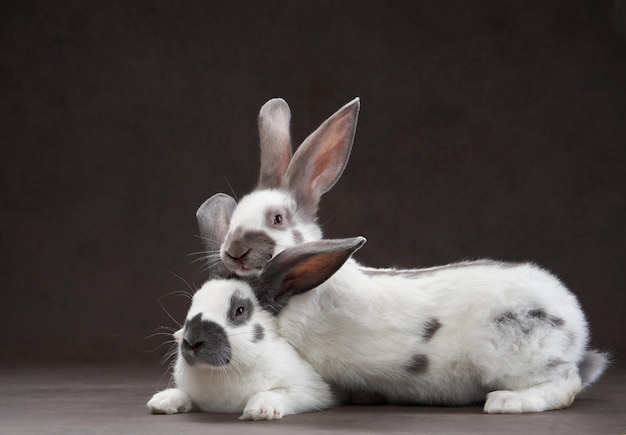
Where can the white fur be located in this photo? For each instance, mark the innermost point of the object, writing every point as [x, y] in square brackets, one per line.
[249, 216]
[361, 332]
[266, 379]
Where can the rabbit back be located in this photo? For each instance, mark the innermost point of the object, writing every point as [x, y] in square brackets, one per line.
[448, 335]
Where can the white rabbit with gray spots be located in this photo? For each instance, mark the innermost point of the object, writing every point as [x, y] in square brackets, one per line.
[510, 335]
[230, 357]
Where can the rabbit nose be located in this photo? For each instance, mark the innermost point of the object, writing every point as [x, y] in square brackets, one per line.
[205, 342]
[235, 256]
[236, 249]
[194, 345]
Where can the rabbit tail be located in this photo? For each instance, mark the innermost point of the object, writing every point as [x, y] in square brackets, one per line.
[592, 366]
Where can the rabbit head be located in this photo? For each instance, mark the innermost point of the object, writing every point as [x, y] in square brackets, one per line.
[282, 210]
[232, 319]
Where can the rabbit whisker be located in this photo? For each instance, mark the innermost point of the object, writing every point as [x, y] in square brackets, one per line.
[168, 314]
[210, 266]
[206, 239]
[168, 357]
[170, 329]
[203, 255]
[168, 334]
[332, 216]
[192, 290]
[178, 293]
[169, 369]
[160, 346]
[231, 188]
[211, 257]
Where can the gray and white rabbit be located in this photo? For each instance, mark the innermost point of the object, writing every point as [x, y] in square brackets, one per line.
[510, 335]
[230, 358]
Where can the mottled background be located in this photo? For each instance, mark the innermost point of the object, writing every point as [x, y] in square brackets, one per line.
[487, 129]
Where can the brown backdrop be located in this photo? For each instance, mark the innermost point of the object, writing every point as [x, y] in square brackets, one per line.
[491, 129]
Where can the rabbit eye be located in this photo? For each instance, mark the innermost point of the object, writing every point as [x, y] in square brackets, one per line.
[240, 310]
[278, 219]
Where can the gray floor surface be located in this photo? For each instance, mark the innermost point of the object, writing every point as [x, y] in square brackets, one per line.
[110, 399]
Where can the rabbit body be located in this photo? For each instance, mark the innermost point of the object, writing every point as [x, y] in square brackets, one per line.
[229, 363]
[446, 335]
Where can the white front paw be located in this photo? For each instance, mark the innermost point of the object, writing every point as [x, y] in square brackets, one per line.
[264, 406]
[170, 401]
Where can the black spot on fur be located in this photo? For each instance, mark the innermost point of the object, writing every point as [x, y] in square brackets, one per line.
[259, 333]
[526, 321]
[507, 316]
[418, 364]
[430, 327]
[556, 321]
[540, 314]
[554, 362]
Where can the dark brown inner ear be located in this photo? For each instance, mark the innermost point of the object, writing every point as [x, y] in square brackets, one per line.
[313, 272]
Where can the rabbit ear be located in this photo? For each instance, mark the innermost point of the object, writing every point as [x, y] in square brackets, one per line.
[320, 160]
[301, 268]
[275, 143]
[213, 220]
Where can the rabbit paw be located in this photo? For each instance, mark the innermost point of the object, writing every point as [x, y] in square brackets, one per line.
[513, 402]
[170, 401]
[264, 406]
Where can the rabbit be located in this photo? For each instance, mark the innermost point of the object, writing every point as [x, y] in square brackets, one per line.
[508, 335]
[289, 189]
[229, 356]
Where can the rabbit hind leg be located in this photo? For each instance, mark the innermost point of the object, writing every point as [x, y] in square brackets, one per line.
[556, 393]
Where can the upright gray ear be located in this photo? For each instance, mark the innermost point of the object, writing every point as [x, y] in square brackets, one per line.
[302, 267]
[320, 160]
[275, 143]
[213, 221]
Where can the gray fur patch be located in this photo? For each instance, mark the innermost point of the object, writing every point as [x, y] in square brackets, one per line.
[556, 321]
[206, 342]
[572, 339]
[255, 248]
[430, 328]
[240, 310]
[271, 214]
[540, 314]
[529, 320]
[554, 362]
[507, 316]
[298, 238]
[259, 333]
[418, 364]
